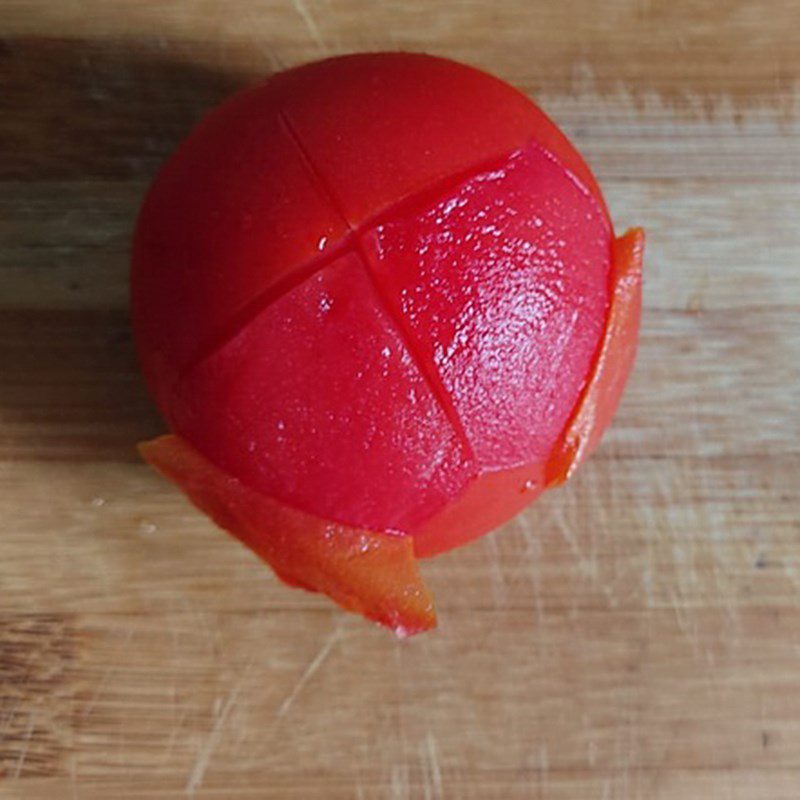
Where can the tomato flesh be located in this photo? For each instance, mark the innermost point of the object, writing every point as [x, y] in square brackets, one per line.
[380, 127]
[318, 403]
[502, 284]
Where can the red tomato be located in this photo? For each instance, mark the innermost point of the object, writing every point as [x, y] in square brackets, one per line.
[378, 290]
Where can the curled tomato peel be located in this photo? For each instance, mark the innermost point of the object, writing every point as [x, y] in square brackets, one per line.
[374, 574]
[616, 354]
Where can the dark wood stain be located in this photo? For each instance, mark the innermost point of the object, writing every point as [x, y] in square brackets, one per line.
[36, 653]
[101, 109]
[71, 388]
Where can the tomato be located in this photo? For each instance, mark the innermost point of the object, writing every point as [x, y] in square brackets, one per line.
[380, 292]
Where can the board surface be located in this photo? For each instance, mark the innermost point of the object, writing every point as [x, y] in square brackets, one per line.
[633, 635]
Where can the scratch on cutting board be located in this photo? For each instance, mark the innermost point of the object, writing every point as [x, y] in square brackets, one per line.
[544, 769]
[591, 753]
[73, 776]
[200, 618]
[399, 782]
[105, 678]
[311, 24]
[722, 568]
[23, 752]
[790, 570]
[625, 746]
[534, 550]
[689, 631]
[400, 673]
[724, 588]
[648, 580]
[308, 673]
[203, 758]
[176, 732]
[587, 566]
[498, 582]
[433, 774]
[653, 520]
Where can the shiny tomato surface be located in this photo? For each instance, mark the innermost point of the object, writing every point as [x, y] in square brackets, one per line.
[382, 292]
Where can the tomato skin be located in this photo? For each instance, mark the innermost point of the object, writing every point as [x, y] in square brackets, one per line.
[612, 364]
[370, 573]
[272, 267]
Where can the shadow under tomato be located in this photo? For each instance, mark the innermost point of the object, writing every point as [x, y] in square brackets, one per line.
[84, 126]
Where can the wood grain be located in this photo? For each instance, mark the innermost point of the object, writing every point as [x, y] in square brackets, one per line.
[634, 635]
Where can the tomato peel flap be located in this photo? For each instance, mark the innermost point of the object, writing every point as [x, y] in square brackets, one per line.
[612, 365]
[374, 574]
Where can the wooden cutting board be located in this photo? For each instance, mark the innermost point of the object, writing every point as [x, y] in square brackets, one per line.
[635, 634]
